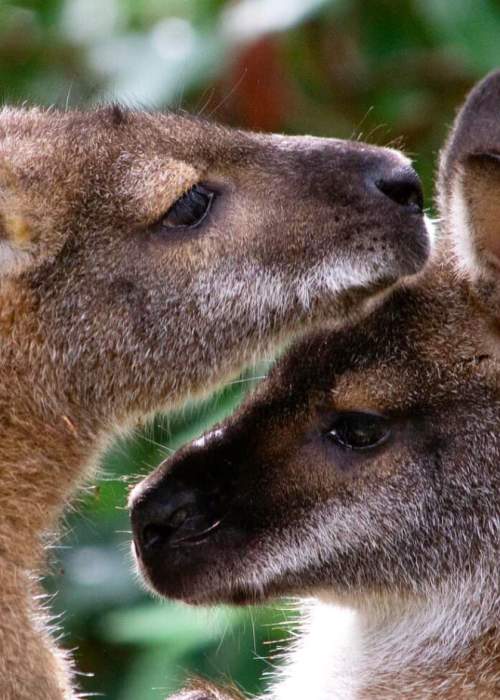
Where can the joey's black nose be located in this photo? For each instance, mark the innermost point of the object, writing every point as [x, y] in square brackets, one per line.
[172, 515]
[403, 186]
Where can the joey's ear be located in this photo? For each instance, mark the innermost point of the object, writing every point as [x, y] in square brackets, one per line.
[469, 190]
[17, 240]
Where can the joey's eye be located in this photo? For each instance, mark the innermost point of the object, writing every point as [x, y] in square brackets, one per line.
[189, 210]
[358, 431]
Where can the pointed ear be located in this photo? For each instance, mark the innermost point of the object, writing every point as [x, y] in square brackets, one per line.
[16, 235]
[469, 190]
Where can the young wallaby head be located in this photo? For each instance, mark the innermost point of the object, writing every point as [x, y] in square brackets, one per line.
[365, 469]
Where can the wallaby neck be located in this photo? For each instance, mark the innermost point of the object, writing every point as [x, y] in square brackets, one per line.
[43, 459]
[444, 646]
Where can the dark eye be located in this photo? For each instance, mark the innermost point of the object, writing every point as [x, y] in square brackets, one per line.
[358, 431]
[189, 210]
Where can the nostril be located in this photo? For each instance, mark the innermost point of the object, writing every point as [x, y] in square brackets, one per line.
[178, 518]
[404, 189]
[160, 529]
[174, 516]
[152, 535]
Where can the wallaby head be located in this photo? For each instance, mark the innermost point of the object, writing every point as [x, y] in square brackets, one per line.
[365, 454]
[365, 471]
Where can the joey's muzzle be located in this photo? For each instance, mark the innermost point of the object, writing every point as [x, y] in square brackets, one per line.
[174, 509]
[173, 516]
[183, 513]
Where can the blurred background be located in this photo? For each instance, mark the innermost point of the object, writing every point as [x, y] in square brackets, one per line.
[387, 71]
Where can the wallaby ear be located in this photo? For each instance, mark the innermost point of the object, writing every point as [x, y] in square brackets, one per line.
[469, 190]
[16, 236]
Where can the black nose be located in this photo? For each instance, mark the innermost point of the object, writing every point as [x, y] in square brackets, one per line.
[403, 187]
[172, 516]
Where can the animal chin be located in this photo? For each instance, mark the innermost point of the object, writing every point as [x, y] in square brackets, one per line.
[212, 567]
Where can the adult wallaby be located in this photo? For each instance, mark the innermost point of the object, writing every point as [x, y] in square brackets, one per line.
[365, 473]
[144, 258]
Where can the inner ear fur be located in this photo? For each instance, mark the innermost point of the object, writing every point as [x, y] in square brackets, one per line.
[469, 191]
[475, 132]
[481, 190]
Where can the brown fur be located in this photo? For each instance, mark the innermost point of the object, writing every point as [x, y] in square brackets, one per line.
[106, 317]
[402, 535]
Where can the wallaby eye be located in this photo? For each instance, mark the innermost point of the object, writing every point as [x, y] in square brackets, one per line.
[358, 431]
[189, 210]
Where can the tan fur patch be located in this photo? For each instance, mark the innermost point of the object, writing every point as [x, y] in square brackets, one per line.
[152, 185]
[17, 229]
[358, 392]
[482, 194]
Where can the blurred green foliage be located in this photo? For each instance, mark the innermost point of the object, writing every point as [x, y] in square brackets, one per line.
[388, 71]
